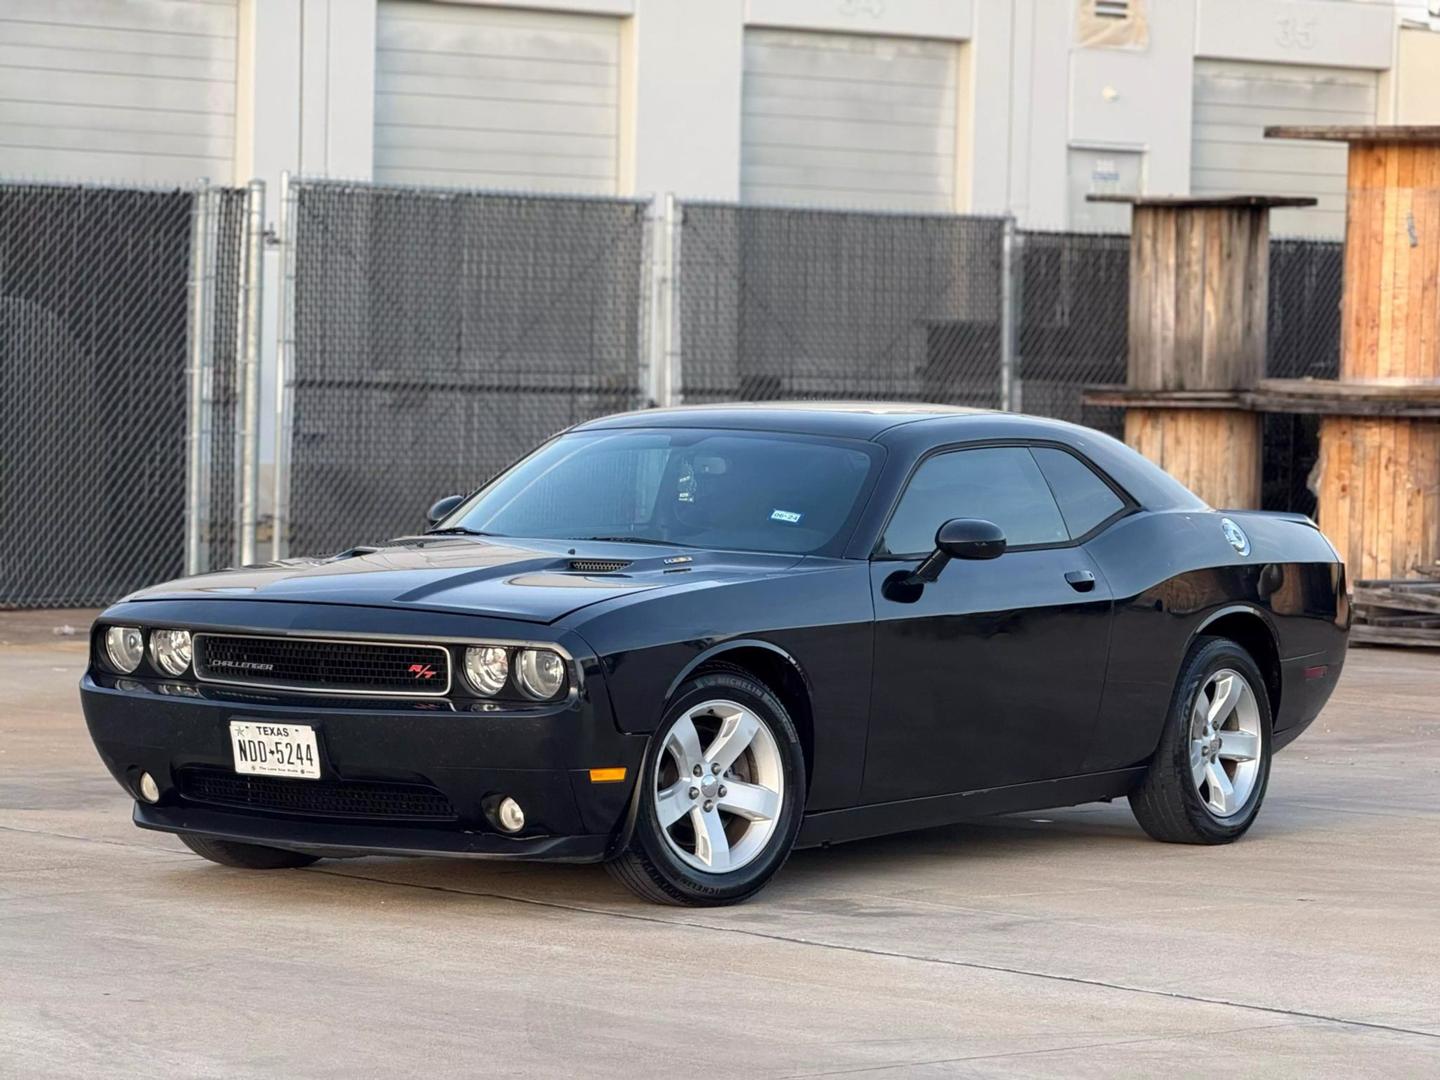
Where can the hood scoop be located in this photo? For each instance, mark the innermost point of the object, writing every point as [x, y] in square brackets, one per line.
[598, 566]
[351, 553]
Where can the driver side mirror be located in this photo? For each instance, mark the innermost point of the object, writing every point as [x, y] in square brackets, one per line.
[960, 538]
[440, 510]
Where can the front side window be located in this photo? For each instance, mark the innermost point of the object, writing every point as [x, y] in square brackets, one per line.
[1002, 484]
[733, 490]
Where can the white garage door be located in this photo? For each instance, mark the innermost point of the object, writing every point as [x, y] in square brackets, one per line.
[1235, 101]
[500, 98]
[846, 120]
[119, 90]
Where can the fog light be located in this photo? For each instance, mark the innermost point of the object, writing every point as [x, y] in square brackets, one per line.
[149, 790]
[509, 815]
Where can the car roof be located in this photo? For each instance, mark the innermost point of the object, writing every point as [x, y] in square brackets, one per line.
[910, 430]
[847, 419]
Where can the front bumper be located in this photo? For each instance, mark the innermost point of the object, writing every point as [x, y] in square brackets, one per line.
[349, 839]
[470, 755]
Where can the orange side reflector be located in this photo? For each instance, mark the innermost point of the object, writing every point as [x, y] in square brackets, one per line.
[607, 776]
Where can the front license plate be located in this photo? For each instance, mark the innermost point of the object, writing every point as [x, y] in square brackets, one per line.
[275, 749]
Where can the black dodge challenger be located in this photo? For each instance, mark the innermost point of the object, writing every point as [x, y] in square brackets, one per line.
[685, 641]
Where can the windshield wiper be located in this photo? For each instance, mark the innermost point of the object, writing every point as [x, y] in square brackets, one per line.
[457, 530]
[627, 540]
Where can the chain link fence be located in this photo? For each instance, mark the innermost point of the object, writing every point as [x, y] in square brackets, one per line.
[435, 336]
[107, 302]
[1304, 317]
[1073, 295]
[430, 337]
[778, 303]
[214, 534]
[1303, 331]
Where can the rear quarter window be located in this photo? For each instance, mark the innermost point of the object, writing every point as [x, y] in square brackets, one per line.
[1084, 499]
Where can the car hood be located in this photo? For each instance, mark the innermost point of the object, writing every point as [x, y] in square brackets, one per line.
[533, 581]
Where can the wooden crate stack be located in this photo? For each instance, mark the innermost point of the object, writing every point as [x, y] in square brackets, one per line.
[1199, 282]
[1379, 468]
[1403, 611]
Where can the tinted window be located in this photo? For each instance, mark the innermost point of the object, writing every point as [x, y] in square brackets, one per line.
[737, 490]
[1085, 500]
[1000, 484]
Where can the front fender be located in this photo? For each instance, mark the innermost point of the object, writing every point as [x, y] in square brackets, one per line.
[819, 620]
[718, 651]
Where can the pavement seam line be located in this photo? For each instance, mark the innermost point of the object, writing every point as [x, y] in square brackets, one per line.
[860, 1070]
[95, 840]
[865, 950]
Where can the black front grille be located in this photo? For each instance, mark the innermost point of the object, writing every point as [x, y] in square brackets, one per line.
[324, 666]
[316, 798]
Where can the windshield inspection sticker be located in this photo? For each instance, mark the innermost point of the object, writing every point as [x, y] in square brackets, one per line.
[787, 516]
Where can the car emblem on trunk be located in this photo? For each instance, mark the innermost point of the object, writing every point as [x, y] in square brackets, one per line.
[1236, 535]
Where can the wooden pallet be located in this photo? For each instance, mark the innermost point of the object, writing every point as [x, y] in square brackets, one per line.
[1405, 612]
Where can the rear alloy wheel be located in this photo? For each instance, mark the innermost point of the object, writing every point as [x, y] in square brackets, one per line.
[720, 798]
[1208, 777]
[1225, 743]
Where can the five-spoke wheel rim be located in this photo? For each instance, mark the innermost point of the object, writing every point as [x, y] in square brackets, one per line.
[719, 786]
[1225, 743]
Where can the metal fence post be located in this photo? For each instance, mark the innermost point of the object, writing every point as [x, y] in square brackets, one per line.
[284, 364]
[198, 424]
[247, 369]
[664, 353]
[652, 352]
[1011, 298]
[668, 378]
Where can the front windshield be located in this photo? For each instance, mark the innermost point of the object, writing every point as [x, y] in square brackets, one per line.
[735, 490]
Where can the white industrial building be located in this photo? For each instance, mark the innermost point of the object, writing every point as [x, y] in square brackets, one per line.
[936, 105]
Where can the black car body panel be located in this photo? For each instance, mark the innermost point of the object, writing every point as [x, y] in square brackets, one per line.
[1003, 685]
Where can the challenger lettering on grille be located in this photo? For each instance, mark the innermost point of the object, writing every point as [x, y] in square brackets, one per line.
[242, 665]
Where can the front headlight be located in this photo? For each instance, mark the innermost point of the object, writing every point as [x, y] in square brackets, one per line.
[541, 673]
[486, 669]
[171, 650]
[124, 648]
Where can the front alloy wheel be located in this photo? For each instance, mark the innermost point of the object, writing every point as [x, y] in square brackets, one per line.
[719, 786]
[720, 797]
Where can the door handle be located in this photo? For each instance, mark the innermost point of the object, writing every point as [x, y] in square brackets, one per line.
[1080, 580]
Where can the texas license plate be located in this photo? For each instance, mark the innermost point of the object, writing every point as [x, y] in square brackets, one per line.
[275, 749]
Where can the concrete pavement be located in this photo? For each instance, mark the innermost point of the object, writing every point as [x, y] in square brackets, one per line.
[1058, 944]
